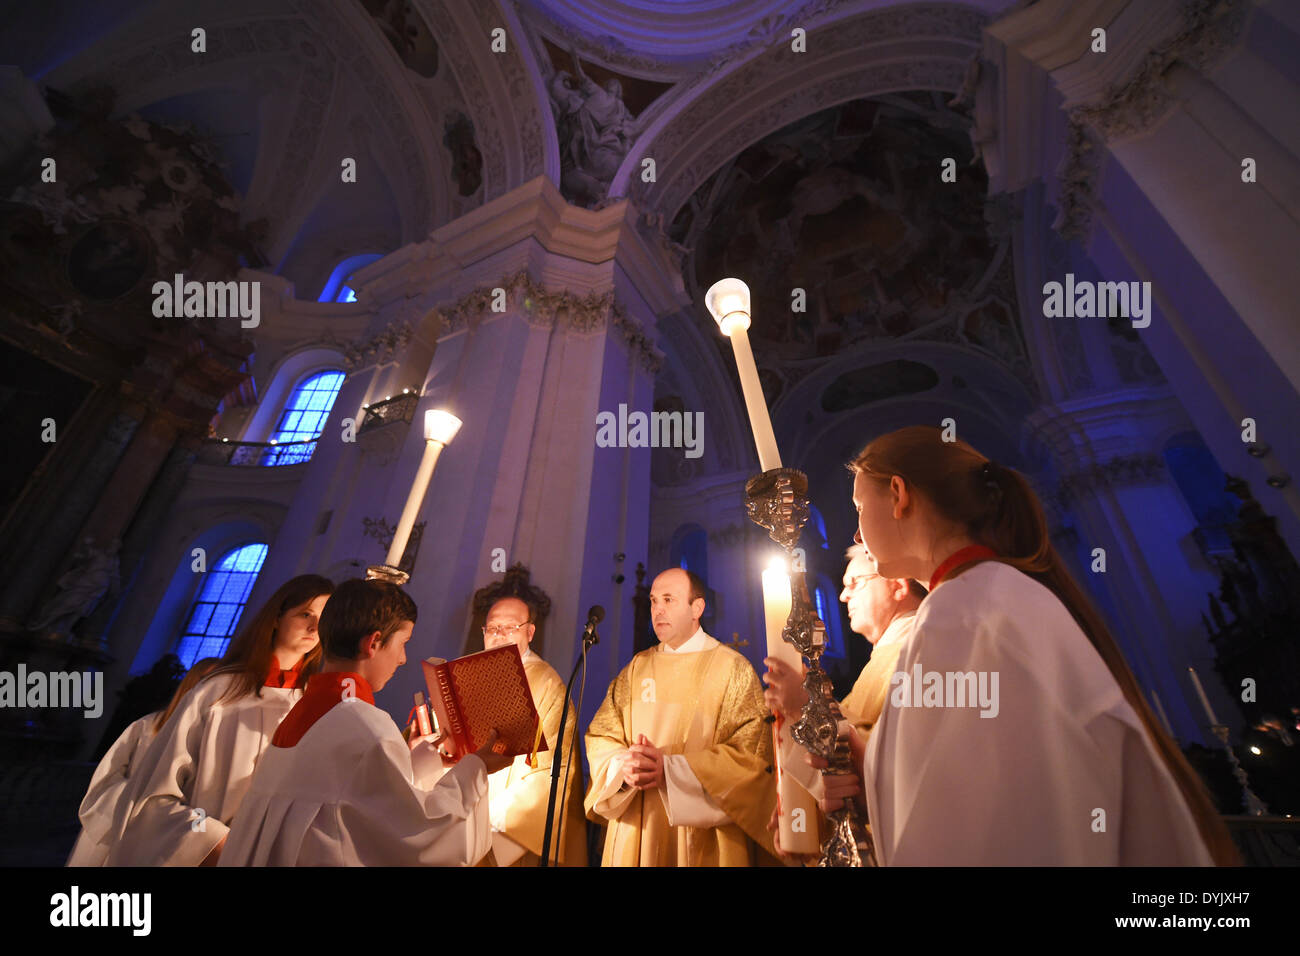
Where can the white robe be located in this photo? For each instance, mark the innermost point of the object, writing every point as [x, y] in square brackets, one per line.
[107, 786]
[946, 786]
[347, 794]
[194, 774]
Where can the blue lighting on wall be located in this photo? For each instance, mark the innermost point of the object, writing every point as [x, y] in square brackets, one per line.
[337, 288]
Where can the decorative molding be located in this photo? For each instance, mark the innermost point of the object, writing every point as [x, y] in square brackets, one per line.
[381, 531]
[379, 348]
[1211, 28]
[526, 106]
[543, 308]
[1125, 470]
[638, 343]
[613, 52]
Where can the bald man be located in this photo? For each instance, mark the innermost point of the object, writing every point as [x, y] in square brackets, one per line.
[680, 752]
[518, 794]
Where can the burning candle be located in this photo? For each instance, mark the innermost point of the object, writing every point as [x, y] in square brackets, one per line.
[797, 811]
[776, 609]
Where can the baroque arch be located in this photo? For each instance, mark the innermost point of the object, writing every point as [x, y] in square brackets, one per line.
[920, 46]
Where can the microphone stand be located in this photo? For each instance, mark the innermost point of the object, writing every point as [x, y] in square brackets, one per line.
[589, 638]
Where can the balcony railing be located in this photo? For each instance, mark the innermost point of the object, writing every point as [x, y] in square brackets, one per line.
[396, 408]
[222, 451]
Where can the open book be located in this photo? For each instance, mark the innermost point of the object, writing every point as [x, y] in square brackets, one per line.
[471, 695]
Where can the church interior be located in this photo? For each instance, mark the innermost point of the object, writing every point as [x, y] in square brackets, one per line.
[512, 210]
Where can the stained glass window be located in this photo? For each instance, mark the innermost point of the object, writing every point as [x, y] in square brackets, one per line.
[216, 612]
[303, 419]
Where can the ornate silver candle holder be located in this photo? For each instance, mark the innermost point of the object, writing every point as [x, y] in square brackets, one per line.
[385, 572]
[1254, 805]
[777, 500]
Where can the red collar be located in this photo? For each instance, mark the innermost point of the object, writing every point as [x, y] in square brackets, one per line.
[322, 693]
[277, 677]
[967, 555]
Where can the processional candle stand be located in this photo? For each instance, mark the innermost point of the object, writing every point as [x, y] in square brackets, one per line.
[440, 428]
[1254, 805]
[777, 500]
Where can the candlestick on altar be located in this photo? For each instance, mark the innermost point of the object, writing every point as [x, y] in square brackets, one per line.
[728, 302]
[440, 427]
[797, 810]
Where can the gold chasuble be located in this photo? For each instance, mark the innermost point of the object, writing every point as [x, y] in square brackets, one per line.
[519, 793]
[866, 700]
[708, 707]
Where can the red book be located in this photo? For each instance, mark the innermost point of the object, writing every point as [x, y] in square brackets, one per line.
[471, 695]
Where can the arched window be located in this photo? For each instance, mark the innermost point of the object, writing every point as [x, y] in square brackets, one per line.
[338, 287]
[222, 595]
[303, 418]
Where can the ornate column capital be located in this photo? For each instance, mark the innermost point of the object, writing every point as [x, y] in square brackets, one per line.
[1127, 90]
[544, 308]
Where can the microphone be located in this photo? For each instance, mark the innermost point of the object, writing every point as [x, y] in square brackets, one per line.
[595, 615]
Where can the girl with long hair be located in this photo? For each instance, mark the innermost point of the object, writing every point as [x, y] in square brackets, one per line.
[1026, 740]
[181, 799]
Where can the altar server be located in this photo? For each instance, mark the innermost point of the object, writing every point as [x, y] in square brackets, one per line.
[108, 782]
[339, 786]
[1015, 733]
[519, 794]
[191, 779]
[680, 750]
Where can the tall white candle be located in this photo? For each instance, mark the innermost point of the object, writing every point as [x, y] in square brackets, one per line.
[413, 501]
[1205, 701]
[728, 302]
[759, 421]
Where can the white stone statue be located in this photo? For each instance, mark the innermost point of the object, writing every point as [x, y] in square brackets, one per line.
[92, 573]
[595, 130]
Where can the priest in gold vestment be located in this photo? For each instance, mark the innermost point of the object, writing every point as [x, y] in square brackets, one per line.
[519, 793]
[680, 752]
[880, 609]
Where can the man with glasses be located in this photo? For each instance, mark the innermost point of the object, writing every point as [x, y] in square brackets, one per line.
[518, 794]
[883, 611]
